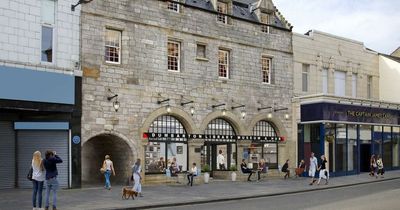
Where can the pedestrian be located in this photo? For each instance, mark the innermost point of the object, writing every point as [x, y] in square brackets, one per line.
[381, 169]
[192, 173]
[373, 166]
[50, 164]
[136, 170]
[38, 177]
[109, 168]
[312, 168]
[221, 161]
[323, 172]
[300, 169]
[285, 169]
[245, 170]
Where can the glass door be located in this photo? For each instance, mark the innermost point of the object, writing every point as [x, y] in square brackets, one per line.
[396, 148]
[352, 149]
[341, 150]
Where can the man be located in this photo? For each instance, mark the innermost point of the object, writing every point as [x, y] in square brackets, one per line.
[313, 168]
[51, 177]
[246, 170]
[221, 160]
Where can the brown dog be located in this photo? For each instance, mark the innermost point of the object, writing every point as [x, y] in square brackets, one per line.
[128, 192]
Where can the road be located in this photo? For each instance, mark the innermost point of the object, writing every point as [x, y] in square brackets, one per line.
[378, 195]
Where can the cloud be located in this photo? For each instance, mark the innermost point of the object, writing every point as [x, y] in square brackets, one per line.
[374, 22]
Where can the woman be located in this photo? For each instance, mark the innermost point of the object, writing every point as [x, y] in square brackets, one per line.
[381, 170]
[136, 170]
[192, 173]
[262, 168]
[299, 170]
[372, 165]
[285, 169]
[323, 172]
[38, 176]
[109, 166]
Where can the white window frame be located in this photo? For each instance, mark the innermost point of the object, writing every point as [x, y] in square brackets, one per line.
[369, 87]
[305, 76]
[222, 18]
[52, 26]
[111, 46]
[267, 68]
[265, 20]
[325, 81]
[226, 55]
[173, 6]
[354, 85]
[178, 57]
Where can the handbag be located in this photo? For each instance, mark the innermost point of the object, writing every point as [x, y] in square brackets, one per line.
[30, 174]
[103, 168]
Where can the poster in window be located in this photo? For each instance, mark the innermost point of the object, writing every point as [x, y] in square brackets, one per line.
[179, 150]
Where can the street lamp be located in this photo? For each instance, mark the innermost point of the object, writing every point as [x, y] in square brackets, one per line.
[78, 3]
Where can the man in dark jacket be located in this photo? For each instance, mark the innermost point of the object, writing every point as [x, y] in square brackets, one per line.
[51, 176]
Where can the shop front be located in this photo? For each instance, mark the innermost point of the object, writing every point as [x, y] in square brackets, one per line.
[348, 135]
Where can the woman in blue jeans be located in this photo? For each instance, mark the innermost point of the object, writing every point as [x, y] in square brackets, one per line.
[51, 177]
[108, 165]
[37, 179]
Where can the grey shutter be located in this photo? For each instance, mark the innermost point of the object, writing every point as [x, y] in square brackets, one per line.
[7, 155]
[30, 141]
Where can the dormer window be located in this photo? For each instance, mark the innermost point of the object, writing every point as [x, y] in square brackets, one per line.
[265, 20]
[222, 8]
[173, 6]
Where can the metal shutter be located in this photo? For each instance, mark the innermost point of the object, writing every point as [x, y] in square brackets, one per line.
[30, 141]
[7, 155]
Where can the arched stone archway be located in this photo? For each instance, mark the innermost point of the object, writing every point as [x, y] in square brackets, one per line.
[231, 118]
[93, 152]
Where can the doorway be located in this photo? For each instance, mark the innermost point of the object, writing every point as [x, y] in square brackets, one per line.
[365, 153]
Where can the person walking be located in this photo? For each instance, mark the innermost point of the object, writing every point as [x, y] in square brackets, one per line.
[312, 168]
[285, 169]
[373, 166]
[221, 161]
[323, 172]
[38, 177]
[192, 173]
[109, 168]
[136, 170]
[50, 164]
[381, 169]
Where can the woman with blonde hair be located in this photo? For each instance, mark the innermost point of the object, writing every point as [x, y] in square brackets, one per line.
[38, 176]
[109, 167]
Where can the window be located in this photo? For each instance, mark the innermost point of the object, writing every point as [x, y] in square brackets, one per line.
[304, 77]
[325, 80]
[223, 63]
[369, 87]
[266, 69]
[354, 85]
[48, 22]
[268, 151]
[222, 8]
[265, 20]
[201, 51]
[113, 46]
[340, 83]
[174, 53]
[173, 6]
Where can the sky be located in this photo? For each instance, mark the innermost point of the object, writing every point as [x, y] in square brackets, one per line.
[376, 23]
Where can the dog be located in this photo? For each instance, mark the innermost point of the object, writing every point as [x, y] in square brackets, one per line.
[128, 192]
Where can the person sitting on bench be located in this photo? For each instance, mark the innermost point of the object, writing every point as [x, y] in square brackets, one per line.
[299, 171]
[285, 169]
[246, 170]
[174, 171]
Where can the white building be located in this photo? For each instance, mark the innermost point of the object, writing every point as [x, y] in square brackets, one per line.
[40, 81]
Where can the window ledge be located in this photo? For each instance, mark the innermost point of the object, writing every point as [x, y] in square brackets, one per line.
[111, 63]
[174, 71]
[201, 59]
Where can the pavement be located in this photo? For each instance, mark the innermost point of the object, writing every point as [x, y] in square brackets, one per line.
[179, 194]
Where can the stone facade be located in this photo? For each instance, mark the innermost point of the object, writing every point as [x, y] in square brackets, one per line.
[389, 71]
[142, 78]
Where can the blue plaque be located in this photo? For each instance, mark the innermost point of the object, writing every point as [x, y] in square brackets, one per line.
[76, 139]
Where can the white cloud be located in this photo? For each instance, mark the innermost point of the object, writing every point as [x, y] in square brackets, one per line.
[374, 22]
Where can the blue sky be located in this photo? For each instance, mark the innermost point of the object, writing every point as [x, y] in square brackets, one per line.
[374, 22]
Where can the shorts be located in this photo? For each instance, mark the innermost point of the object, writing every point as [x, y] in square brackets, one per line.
[311, 173]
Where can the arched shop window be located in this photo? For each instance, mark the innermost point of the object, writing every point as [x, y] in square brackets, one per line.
[161, 151]
[263, 150]
[212, 146]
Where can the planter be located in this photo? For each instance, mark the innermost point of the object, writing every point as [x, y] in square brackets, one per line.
[206, 177]
[233, 176]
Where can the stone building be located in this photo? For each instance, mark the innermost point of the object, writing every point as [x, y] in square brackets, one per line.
[40, 83]
[166, 80]
[337, 106]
